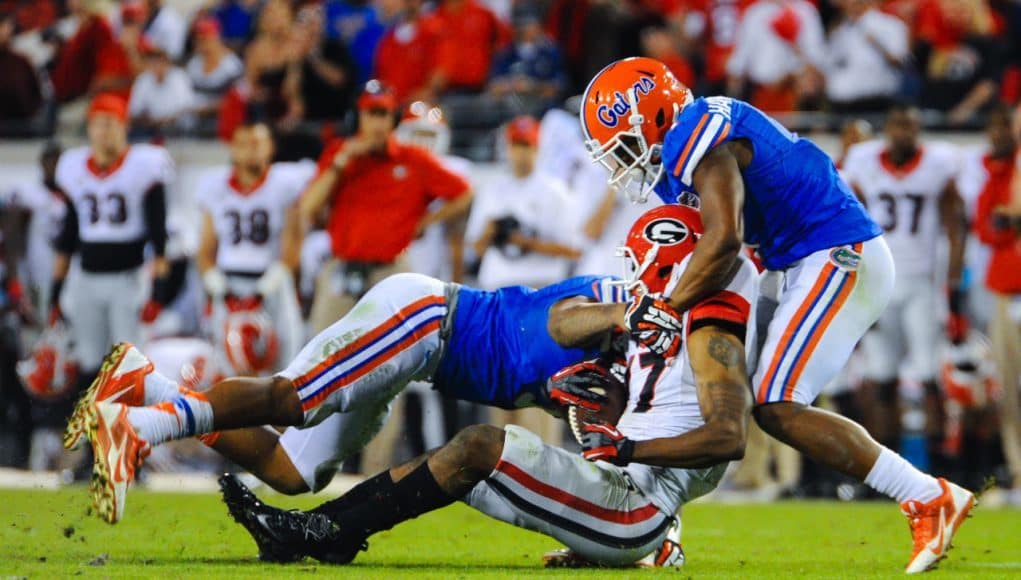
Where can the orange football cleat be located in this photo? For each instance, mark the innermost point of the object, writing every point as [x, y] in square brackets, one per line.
[934, 524]
[118, 452]
[121, 379]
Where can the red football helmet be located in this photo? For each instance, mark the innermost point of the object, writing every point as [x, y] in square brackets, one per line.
[626, 112]
[658, 242]
[50, 372]
[968, 372]
[424, 125]
[192, 362]
[250, 343]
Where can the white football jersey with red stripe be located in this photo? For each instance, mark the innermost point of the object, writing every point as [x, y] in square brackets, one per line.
[110, 203]
[249, 222]
[904, 200]
[662, 399]
[48, 212]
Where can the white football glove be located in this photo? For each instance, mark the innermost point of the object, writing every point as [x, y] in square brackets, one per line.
[272, 279]
[215, 283]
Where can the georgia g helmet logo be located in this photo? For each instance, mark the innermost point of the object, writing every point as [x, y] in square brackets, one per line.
[666, 231]
[656, 245]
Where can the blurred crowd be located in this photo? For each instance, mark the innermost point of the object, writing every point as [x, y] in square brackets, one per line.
[203, 67]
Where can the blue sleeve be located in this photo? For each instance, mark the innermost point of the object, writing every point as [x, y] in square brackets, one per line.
[701, 126]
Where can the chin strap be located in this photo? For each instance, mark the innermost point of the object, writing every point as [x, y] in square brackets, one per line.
[636, 119]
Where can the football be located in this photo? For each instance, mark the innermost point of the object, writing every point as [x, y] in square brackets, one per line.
[616, 394]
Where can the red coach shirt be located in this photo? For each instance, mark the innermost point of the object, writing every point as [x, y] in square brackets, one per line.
[379, 199]
[406, 57]
[1004, 274]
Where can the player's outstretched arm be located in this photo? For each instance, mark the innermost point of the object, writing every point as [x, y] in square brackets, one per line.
[718, 364]
[579, 321]
[715, 259]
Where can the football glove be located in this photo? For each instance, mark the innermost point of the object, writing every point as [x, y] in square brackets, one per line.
[272, 279]
[648, 313]
[151, 311]
[662, 342]
[55, 315]
[573, 385]
[603, 442]
[957, 323]
[215, 283]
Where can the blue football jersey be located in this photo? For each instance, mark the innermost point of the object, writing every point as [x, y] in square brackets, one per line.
[795, 202]
[500, 352]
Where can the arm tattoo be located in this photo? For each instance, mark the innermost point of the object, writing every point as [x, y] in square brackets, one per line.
[724, 351]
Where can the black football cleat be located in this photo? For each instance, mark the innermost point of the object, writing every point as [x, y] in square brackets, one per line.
[287, 536]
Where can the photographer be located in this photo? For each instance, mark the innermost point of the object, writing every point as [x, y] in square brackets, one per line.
[523, 225]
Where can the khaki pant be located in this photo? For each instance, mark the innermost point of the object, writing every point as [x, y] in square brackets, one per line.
[328, 307]
[546, 426]
[331, 303]
[1005, 335]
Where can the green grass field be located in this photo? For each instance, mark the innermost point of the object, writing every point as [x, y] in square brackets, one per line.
[48, 534]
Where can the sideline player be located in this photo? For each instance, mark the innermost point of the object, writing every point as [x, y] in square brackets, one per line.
[909, 189]
[251, 236]
[684, 420]
[43, 206]
[756, 181]
[117, 206]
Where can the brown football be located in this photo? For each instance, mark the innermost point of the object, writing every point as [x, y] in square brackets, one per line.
[616, 394]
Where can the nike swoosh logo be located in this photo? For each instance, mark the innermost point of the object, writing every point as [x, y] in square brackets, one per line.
[115, 455]
[117, 449]
[936, 545]
[116, 396]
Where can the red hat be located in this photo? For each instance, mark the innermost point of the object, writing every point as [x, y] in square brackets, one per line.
[377, 95]
[109, 104]
[134, 12]
[523, 130]
[207, 27]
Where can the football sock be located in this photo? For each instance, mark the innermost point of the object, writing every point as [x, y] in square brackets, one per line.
[379, 485]
[159, 388]
[186, 415]
[389, 503]
[893, 476]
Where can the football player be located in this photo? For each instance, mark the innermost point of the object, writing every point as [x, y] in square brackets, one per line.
[117, 207]
[757, 182]
[683, 421]
[42, 206]
[251, 245]
[909, 189]
[496, 348]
